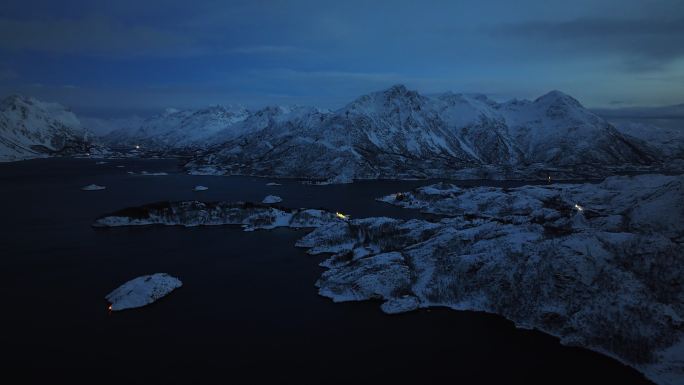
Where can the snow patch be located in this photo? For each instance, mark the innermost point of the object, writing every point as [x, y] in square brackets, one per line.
[142, 291]
[93, 187]
[272, 199]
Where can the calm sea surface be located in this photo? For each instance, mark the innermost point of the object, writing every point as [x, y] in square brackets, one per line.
[248, 311]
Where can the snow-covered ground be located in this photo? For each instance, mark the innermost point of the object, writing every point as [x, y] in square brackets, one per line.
[598, 265]
[142, 291]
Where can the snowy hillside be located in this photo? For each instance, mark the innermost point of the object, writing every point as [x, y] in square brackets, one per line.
[104, 126]
[394, 133]
[33, 129]
[597, 265]
[398, 133]
[179, 129]
[668, 136]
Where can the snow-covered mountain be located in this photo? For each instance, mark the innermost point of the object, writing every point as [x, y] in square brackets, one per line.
[33, 129]
[398, 133]
[180, 129]
[394, 133]
[102, 127]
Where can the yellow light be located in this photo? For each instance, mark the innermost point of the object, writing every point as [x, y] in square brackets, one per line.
[342, 216]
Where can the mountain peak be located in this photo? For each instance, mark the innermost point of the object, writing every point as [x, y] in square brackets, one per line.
[397, 89]
[16, 100]
[556, 97]
[396, 95]
[26, 103]
[397, 92]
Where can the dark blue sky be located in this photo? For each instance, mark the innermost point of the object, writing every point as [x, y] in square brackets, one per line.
[114, 56]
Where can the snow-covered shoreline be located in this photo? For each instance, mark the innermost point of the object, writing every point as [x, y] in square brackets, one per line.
[597, 265]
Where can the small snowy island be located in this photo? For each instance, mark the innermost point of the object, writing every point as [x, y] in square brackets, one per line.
[93, 187]
[272, 199]
[142, 291]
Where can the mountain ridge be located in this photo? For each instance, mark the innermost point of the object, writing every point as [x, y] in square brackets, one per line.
[399, 133]
[393, 133]
[30, 128]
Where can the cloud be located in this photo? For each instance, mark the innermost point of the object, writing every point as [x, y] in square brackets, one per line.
[641, 44]
[8, 74]
[334, 75]
[95, 36]
[105, 37]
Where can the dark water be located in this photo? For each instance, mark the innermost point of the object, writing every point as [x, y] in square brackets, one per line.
[248, 311]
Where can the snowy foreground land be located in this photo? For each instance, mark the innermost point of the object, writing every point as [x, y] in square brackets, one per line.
[598, 265]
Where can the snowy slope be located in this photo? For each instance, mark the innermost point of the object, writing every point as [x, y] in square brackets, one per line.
[32, 129]
[102, 126]
[557, 129]
[180, 129]
[666, 135]
[398, 133]
[394, 133]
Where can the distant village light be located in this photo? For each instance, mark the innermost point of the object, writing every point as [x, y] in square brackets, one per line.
[579, 208]
[342, 216]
